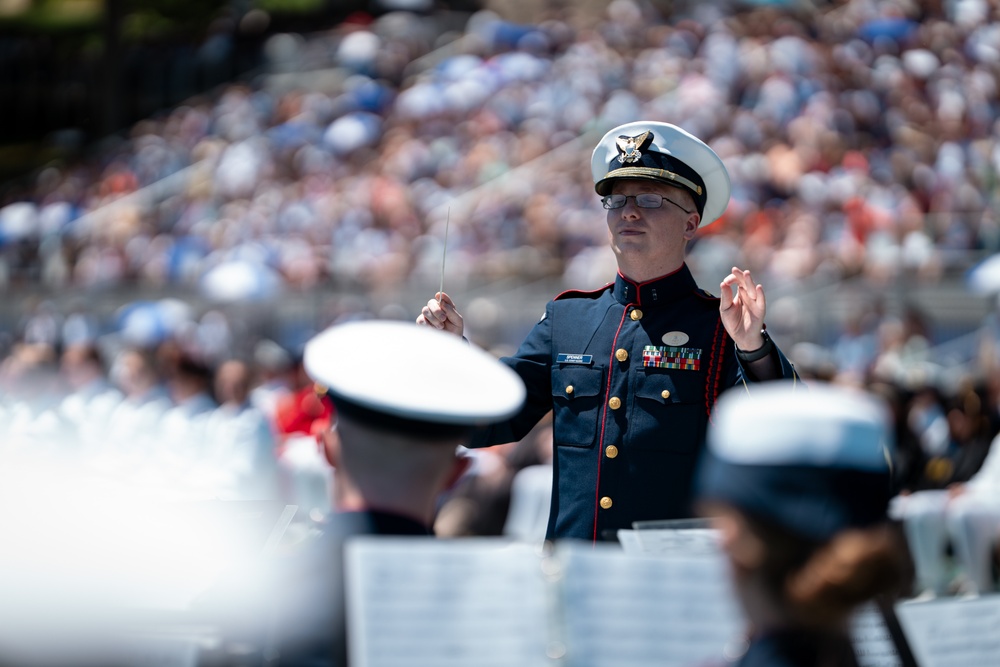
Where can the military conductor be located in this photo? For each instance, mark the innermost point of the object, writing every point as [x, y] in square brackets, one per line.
[631, 371]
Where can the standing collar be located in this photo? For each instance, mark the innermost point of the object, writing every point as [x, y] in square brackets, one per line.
[658, 291]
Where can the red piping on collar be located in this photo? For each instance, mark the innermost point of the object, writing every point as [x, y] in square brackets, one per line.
[638, 285]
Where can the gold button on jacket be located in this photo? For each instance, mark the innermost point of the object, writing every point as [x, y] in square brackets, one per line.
[621, 354]
[606, 503]
[611, 451]
[636, 314]
[614, 402]
[665, 393]
[569, 389]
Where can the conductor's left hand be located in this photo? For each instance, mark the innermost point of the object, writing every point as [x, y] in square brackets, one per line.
[743, 314]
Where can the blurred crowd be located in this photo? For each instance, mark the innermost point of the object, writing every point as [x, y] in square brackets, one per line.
[166, 422]
[861, 138]
[159, 424]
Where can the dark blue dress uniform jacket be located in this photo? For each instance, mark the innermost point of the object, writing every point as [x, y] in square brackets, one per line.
[631, 372]
[799, 647]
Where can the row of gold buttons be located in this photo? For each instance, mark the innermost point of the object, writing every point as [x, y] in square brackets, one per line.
[614, 403]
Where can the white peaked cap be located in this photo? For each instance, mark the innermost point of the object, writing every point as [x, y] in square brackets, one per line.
[666, 153]
[407, 372]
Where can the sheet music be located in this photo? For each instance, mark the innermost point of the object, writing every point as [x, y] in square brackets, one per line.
[669, 541]
[440, 603]
[623, 610]
[629, 539]
[490, 601]
[953, 632]
[873, 644]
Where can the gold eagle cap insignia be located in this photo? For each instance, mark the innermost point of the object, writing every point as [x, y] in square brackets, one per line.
[629, 148]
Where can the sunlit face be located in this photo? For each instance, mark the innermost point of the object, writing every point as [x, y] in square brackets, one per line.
[232, 382]
[131, 373]
[650, 242]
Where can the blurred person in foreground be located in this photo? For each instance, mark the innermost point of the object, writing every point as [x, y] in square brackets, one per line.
[797, 484]
[631, 371]
[405, 398]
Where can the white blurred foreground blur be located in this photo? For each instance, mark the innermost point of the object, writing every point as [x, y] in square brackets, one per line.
[93, 571]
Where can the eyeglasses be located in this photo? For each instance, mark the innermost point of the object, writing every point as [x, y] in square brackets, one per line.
[644, 200]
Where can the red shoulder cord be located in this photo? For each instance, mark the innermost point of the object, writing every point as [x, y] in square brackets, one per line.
[715, 368]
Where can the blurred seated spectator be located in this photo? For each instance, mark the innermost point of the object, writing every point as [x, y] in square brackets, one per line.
[271, 384]
[239, 442]
[29, 399]
[966, 517]
[90, 397]
[958, 507]
[133, 424]
[304, 476]
[181, 431]
[951, 436]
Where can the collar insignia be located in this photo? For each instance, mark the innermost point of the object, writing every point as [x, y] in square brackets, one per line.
[630, 148]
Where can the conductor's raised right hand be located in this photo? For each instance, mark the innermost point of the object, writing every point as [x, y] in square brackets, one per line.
[442, 314]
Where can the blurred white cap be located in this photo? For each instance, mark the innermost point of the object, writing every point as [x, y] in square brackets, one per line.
[815, 460]
[411, 378]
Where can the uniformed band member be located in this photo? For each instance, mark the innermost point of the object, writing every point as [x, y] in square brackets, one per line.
[405, 398]
[968, 516]
[797, 484]
[632, 370]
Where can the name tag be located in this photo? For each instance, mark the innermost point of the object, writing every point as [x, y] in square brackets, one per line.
[585, 359]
